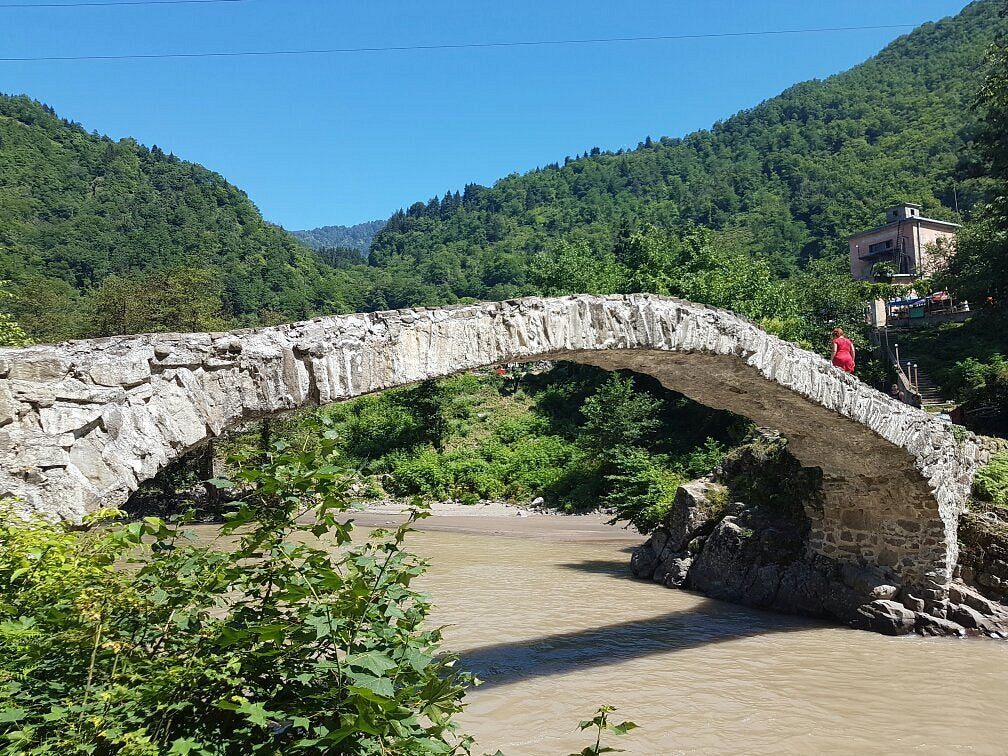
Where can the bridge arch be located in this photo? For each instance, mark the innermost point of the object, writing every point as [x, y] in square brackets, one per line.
[83, 423]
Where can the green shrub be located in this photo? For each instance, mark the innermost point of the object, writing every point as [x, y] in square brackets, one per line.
[513, 429]
[475, 477]
[376, 426]
[976, 383]
[579, 485]
[643, 491]
[423, 474]
[991, 481]
[701, 461]
[132, 639]
[535, 465]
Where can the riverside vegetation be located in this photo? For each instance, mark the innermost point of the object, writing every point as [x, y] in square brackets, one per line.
[282, 637]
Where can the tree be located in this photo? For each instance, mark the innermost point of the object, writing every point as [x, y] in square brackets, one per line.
[181, 299]
[11, 333]
[978, 268]
[573, 268]
[618, 417]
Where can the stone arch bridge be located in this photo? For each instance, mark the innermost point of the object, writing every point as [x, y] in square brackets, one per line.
[83, 423]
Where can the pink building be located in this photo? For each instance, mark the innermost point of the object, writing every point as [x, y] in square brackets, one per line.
[906, 242]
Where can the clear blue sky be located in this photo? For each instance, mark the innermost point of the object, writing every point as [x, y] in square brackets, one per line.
[348, 137]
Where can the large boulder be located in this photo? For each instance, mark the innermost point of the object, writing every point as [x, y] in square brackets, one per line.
[722, 567]
[885, 616]
[697, 508]
[643, 561]
[674, 569]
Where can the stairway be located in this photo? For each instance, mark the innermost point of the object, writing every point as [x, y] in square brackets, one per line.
[929, 391]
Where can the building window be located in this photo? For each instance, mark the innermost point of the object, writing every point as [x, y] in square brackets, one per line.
[882, 246]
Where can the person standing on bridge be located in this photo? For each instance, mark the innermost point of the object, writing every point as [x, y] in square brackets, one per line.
[843, 351]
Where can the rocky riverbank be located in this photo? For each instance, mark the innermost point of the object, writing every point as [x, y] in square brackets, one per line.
[733, 537]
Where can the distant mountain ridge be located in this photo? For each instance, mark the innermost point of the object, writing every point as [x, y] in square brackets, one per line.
[77, 207]
[357, 237]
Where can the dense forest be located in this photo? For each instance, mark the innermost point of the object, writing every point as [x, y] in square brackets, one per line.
[77, 208]
[357, 236]
[90, 227]
[793, 176]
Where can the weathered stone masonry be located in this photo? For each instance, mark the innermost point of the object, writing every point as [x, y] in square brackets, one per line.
[82, 423]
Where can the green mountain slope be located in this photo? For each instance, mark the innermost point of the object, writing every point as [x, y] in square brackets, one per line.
[357, 237]
[794, 175]
[77, 207]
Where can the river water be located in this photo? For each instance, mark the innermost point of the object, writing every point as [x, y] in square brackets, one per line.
[544, 611]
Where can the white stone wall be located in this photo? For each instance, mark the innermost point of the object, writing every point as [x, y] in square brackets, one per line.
[82, 423]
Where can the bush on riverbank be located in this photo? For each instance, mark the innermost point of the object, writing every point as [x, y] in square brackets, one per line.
[577, 436]
[281, 638]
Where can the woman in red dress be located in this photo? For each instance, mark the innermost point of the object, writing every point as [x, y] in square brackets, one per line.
[843, 351]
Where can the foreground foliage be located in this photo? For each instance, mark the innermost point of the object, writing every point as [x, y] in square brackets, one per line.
[601, 724]
[280, 637]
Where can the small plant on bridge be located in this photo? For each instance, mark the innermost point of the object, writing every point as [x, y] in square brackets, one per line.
[282, 636]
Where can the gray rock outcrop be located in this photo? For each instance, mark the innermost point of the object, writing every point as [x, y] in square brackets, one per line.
[759, 555]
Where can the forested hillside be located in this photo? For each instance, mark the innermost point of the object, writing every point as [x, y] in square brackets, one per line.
[76, 208]
[357, 237]
[100, 236]
[794, 175]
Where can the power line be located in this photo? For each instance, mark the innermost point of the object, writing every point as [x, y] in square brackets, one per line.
[98, 4]
[458, 46]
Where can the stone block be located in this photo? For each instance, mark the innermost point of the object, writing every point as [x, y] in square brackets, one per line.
[643, 562]
[86, 456]
[39, 394]
[67, 418]
[691, 511]
[913, 603]
[927, 625]
[968, 617]
[8, 407]
[75, 391]
[672, 571]
[127, 372]
[42, 452]
[962, 594]
[39, 369]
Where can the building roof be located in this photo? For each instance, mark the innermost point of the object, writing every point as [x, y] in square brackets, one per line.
[916, 219]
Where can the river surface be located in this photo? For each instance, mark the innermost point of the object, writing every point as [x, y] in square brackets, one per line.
[543, 610]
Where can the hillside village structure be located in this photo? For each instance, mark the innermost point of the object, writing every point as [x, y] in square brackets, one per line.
[907, 241]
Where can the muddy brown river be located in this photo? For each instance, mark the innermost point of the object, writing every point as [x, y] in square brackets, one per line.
[544, 611]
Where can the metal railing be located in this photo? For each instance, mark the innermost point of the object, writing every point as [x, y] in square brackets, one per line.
[907, 378]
